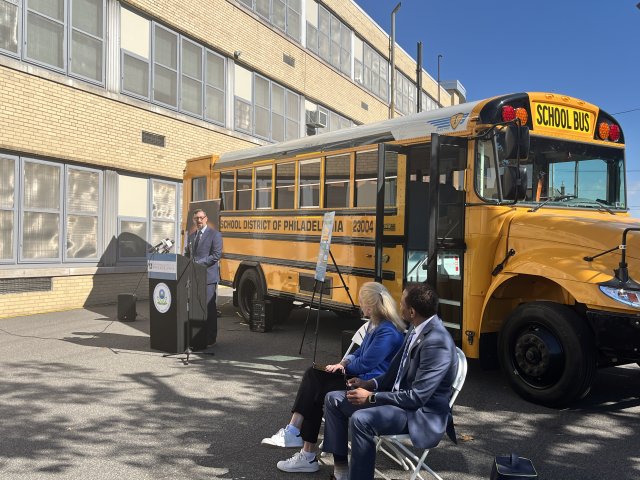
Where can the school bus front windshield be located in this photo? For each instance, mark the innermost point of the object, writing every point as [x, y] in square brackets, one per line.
[558, 173]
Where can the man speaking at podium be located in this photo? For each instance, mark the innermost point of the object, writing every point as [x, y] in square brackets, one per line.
[205, 243]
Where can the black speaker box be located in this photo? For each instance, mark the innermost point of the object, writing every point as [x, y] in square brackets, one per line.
[261, 317]
[126, 307]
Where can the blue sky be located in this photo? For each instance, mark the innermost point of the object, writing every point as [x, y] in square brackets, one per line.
[582, 48]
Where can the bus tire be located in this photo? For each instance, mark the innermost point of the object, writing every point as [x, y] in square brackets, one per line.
[548, 354]
[250, 290]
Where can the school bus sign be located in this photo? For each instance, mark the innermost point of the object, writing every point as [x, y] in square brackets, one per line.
[563, 117]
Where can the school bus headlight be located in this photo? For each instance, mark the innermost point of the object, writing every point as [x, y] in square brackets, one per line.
[628, 297]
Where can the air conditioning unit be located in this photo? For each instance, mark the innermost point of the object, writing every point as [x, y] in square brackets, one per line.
[317, 119]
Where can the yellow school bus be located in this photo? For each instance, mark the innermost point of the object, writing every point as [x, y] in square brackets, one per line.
[513, 208]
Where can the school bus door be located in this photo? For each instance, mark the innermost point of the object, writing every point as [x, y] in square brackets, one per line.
[435, 222]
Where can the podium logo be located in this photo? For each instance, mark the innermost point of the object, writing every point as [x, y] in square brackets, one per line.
[162, 298]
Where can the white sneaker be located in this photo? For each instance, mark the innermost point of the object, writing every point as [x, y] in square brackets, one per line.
[284, 438]
[299, 463]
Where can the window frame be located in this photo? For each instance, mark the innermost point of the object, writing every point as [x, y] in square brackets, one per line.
[102, 41]
[150, 216]
[23, 210]
[177, 71]
[293, 185]
[226, 207]
[346, 181]
[300, 185]
[258, 189]
[15, 209]
[98, 215]
[19, 26]
[65, 37]
[135, 56]
[182, 74]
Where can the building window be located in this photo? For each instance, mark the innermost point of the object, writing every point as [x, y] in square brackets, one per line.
[83, 194]
[328, 37]
[309, 183]
[135, 44]
[320, 119]
[371, 70]
[243, 104]
[428, 103]
[284, 14]
[214, 91]
[133, 201]
[165, 66]
[41, 211]
[264, 182]
[243, 189]
[199, 189]
[9, 26]
[285, 185]
[163, 211]
[264, 108]
[191, 81]
[8, 207]
[226, 190]
[366, 177]
[336, 181]
[194, 84]
[405, 94]
[65, 35]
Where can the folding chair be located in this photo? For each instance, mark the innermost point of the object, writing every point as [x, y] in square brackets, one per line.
[356, 341]
[397, 447]
[357, 338]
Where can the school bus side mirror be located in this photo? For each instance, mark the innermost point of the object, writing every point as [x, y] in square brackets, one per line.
[514, 183]
[516, 142]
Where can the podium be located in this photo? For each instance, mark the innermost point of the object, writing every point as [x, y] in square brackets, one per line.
[177, 303]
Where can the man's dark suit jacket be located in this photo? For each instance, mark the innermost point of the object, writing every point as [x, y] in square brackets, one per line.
[208, 253]
[425, 389]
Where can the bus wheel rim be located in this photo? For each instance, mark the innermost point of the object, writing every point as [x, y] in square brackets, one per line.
[538, 357]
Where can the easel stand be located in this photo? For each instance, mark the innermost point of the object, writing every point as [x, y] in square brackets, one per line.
[321, 283]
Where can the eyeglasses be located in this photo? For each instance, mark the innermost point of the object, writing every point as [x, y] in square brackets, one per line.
[199, 218]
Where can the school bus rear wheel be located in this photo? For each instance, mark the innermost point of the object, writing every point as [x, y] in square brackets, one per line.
[547, 352]
[250, 290]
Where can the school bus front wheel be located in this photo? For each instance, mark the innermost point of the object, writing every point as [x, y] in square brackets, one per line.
[547, 352]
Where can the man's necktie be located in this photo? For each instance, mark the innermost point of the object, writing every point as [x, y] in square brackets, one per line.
[195, 244]
[403, 362]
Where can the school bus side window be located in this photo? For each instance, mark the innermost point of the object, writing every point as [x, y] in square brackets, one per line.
[226, 190]
[336, 181]
[366, 178]
[285, 185]
[486, 177]
[243, 189]
[264, 182]
[198, 189]
[309, 183]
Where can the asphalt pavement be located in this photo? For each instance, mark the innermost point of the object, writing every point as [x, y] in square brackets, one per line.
[84, 397]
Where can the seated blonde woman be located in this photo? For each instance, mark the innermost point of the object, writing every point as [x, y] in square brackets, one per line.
[382, 341]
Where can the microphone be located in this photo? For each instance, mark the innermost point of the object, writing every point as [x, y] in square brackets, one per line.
[165, 245]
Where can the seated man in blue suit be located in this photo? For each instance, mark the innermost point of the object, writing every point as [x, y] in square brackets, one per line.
[205, 243]
[411, 397]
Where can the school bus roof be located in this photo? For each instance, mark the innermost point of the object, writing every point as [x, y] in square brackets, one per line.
[444, 121]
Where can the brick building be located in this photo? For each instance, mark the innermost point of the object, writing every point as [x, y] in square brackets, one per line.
[102, 101]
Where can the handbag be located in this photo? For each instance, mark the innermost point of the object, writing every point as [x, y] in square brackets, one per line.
[513, 467]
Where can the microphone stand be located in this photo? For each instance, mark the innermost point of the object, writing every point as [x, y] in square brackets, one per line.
[191, 272]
